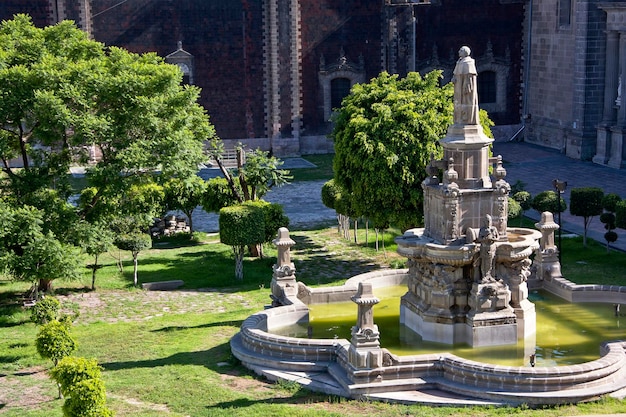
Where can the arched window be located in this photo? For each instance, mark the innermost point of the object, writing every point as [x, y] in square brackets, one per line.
[339, 89]
[487, 88]
[565, 13]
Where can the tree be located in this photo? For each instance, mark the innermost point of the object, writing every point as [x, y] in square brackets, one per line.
[185, 194]
[241, 226]
[273, 219]
[586, 203]
[217, 195]
[257, 172]
[135, 242]
[64, 94]
[95, 239]
[609, 204]
[71, 370]
[29, 254]
[385, 133]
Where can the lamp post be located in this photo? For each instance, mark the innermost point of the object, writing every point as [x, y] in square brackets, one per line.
[559, 188]
[410, 3]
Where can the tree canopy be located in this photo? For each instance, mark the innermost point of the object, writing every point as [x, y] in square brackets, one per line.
[385, 133]
[68, 100]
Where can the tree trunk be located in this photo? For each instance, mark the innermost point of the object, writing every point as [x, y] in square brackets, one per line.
[238, 250]
[355, 230]
[93, 273]
[190, 220]
[135, 280]
[45, 285]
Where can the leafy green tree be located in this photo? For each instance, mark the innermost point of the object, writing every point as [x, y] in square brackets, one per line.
[241, 226]
[524, 199]
[134, 242]
[185, 194]
[64, 93]
[95, 239]
[515, 208]
[586, 202]
[87, 399]
[45, 310]
[385, 133]
[28, 254]
[217, 195]
[273, 219]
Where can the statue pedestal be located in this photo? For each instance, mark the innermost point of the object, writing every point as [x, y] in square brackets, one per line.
[491, 321]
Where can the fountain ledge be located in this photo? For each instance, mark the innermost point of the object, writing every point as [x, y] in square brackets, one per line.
[324, 364]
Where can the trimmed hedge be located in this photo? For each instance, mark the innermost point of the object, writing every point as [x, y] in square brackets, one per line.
[241, 225]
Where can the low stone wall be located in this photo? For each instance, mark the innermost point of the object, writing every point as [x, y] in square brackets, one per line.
[588, 293]
[267, 354]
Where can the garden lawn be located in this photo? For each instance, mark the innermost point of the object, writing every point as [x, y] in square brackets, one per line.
[167, 353]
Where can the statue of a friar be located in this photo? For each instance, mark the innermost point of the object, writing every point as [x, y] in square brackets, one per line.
[465, 89]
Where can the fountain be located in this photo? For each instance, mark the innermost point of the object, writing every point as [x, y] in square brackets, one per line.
[468, 278]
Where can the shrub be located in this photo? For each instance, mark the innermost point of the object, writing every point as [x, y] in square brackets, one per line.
[71, 370]
[45, 310]
[88, 399]
[620, 214]
[549, 201]
[54, 341]
[609, 202]
[515, 209]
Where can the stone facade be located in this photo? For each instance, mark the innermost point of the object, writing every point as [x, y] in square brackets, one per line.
[566, 75]
[266, 67]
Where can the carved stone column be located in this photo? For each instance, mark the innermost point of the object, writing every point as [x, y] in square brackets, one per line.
[365, 350]
[611, 76]
[284, 277]
[546, 264]
[618, 132]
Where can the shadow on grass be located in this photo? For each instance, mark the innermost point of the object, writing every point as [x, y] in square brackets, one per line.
[208, 358]
[318, 266]
[233, 323]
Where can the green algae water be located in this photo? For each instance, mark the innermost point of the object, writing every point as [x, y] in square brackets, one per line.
[566, 334]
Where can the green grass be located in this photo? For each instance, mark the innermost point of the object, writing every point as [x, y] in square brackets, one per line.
[167, 353]
[323, 170]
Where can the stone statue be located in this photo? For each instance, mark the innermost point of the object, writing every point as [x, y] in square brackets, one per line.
[487, 237]
[465, 89]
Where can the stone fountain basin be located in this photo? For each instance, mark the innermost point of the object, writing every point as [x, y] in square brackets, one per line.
[323, 365]
[520, 243]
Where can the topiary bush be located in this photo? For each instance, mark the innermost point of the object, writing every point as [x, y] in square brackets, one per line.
[88, 399]
[45, 310]
[586, 202]
[71, 370]
[240, 226]
[54, 341]
[549, 201]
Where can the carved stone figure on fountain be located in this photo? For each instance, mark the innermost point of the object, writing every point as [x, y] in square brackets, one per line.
[487, 237]
[465, 89]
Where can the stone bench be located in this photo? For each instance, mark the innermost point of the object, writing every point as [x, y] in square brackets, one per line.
[163, 285]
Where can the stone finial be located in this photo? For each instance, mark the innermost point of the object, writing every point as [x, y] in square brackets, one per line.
[366, 300]
[547, 227]
[283, 243]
